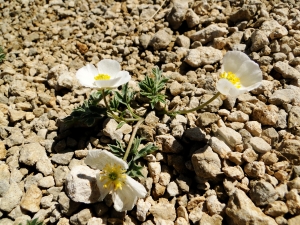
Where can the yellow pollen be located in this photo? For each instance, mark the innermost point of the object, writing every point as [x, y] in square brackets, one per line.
[232, 78]
[113, 175]
[102, 77]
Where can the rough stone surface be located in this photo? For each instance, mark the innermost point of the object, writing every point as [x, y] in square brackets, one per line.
[81, 185]
[245, 211]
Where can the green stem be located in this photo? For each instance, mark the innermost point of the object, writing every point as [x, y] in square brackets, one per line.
[199, 106]
[107, 106]
[132, 138]
[131, 111]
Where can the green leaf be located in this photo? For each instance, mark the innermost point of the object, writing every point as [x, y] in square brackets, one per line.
[120, 124]
[117, 150]
[33, 222]
[125, 96]
[2, 54]
[145, 151]
[134, 170]
[88, 113]
[151, 87]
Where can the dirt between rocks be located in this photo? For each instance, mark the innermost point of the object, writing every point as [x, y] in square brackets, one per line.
[198, 176]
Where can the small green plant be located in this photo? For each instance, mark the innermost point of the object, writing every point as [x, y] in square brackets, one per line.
[2, 54]
[152, 87]
[33, 222]
[134, 170]
[88, 113]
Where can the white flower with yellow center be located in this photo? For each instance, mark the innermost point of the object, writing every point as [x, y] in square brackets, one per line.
[108, 74]
[239, 74]
[113, 179]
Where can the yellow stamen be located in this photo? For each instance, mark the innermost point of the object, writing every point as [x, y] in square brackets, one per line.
[113, 175]
[232, 78]
[102, 77]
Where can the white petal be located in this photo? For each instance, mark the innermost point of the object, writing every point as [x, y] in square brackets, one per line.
[249, 73]
[125, 77]
[227, 88]
[138, 188]
[233, 60]
[126, 198]
[108, 83]
[109, 66]
[103, 191]
[86, 74]
[94, 158]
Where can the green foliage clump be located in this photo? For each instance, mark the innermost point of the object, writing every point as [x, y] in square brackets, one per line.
[152, 87]
[33, 222]
[2, 54]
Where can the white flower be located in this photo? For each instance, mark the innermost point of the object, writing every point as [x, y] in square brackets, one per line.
[239, 74]
[113, 179]
[108, 74]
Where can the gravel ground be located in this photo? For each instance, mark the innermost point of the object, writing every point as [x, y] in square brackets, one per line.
[235, 162]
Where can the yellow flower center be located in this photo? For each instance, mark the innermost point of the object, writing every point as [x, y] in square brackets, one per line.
[102, 76]
[232, 78]
[113, 175]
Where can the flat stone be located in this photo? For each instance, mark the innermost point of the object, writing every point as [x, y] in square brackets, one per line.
[229, 136]
[260, 145]
[203, 56]
[263, 193]
[32, 199]
[31, 153]
[209, 33]
[286, 70]
[206, 163]
[81, 185]
[241, 210]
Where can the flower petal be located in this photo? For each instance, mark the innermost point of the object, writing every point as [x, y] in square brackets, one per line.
[85, 75]
[93, 158]
[126, 198]
[137, 187]
[233, 60]
[103, 191]
[125, 77]
[108, 83]
[249, 73]
[225, 87]
[109, 66]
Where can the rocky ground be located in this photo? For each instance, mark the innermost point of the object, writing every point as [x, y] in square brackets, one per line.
[236, 162]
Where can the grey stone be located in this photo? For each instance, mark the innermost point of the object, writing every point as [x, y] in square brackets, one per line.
[209, 33]
[219, 147]
[286, 70]
[259, 40]
[62, 158]
[81, 185]
[11, 198]
[177, 13]
[260, 145]
[229, 136]
[68, 206]
[161, 39]
[192, 18]
[31, 153]
[60, 174]
[241, 210]
[206, 163]
[169, 144]
[243, 14]
[263, 193]
[183, 41]
[206, 118]
[294, 117]
[255, 169]
[203, 56]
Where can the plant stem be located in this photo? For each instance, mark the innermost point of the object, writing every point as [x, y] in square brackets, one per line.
[132, 138]
[131, 111]
[107, 106]
[199, 106]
